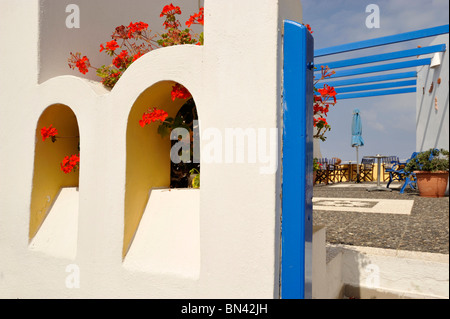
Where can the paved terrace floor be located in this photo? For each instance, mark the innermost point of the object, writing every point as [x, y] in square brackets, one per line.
[354, 216]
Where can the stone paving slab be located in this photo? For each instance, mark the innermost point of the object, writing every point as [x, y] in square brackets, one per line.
[380, 206]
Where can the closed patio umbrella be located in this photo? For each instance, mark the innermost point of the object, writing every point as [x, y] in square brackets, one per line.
[357, 139]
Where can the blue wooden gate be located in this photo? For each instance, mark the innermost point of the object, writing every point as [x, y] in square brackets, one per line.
[296, 221]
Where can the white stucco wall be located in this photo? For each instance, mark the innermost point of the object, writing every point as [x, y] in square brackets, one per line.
[432, 113]
[235, 79]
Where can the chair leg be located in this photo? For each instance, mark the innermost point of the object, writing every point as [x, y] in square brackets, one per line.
[402, 190]
[390, 180]
[408, 181]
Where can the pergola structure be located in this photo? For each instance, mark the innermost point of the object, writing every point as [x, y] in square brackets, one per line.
[364, 81]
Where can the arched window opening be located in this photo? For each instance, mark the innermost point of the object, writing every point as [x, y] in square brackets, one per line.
[56, 161]
[162, 149]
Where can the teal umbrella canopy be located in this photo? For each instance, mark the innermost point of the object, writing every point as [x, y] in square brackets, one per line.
[357, 139]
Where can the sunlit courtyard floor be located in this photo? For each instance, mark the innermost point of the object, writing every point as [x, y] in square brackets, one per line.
[355, 216]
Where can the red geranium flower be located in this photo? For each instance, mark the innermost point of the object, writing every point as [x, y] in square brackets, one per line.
[170, 10]
[197, 18]
[76, 61]
[112, 45]
[152, 116]
[137, 56]
[69, 164]
[83, 64]
[48, 132]
[137, 28]
[327, 90]
[121, 60]
[180, 92]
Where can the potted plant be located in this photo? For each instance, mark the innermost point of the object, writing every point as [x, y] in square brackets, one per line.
[431, 171]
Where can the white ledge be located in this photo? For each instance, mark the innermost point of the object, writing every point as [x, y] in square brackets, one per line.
[168, 237]
[58, 234]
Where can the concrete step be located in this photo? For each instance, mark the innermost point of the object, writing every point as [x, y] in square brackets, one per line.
[342, 271]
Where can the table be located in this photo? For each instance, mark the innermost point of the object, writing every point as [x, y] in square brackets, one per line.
[378, 187]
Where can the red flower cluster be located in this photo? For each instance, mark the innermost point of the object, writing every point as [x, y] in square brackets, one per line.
[121, 60]
[111, 46]
[48, 132]
[309, 28]
[328, 91]
[70, 163]
[197, 18]
[170, 10]
[320, 122]
[135, 29]
[180, 92]
[322, 102]
[320, 107]
[152, 116]
[82, 63]
[137, 56]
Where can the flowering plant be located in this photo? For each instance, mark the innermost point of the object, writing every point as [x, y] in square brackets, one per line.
[322, 102]
[69, 163]
[432, 160]
[131, 42]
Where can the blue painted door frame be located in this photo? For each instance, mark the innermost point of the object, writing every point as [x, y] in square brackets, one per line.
[297, 183]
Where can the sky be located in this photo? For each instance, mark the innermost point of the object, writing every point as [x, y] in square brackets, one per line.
[389, 122]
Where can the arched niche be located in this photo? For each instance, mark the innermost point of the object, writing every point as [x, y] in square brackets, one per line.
[148, 162]
[48, 177]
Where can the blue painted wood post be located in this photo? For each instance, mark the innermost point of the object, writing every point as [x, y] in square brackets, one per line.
[296, 233]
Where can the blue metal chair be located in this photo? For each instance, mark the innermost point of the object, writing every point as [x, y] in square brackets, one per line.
[410, 179]
[388, 165]
[395, 170]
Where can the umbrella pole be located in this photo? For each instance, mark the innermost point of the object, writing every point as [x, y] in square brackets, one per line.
[357, 165]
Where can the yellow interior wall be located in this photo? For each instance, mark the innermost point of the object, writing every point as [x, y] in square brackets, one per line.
[148, 155]
[48, 178]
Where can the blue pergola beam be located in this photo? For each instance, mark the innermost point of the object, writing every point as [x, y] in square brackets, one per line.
[375, 93]
[371, 79]
[414, 35]
[383, 57]
[382, 68]
[377, 86]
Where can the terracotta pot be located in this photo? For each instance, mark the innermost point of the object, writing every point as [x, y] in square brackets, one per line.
[314, 177]
[432, 184]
